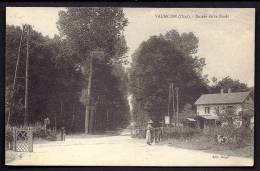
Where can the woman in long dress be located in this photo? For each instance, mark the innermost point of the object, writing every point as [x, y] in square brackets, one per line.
[149, 133]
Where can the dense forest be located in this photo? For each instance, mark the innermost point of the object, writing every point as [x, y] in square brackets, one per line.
[58, 71]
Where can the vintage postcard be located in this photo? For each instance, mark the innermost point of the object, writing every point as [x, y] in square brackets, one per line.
[110, 86]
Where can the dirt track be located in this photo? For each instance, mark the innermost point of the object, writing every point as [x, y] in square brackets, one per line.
[120, 150]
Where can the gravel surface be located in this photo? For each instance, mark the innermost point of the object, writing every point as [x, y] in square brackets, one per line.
[120, 150]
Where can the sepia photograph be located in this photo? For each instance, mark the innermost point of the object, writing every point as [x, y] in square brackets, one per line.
[115, 86]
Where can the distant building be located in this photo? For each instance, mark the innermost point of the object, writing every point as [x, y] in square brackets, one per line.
[208, 106]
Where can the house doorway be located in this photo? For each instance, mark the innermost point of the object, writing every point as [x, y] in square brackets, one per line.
[201, 122]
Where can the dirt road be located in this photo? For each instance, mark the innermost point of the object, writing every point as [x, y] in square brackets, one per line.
[120, 150]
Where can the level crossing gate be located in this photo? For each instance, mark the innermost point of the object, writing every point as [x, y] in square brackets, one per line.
[23, 139]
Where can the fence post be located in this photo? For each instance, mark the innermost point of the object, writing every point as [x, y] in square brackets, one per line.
[14, 136]
[31, 139]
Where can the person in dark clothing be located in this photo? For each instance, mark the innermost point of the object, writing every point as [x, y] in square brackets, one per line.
[63, 133]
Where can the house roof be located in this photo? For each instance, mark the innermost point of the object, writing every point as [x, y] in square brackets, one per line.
[224, 98]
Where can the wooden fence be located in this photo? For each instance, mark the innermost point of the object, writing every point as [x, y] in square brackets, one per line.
[166, 132]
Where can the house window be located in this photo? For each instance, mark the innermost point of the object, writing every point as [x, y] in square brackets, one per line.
[217, 110]
[230, 109]
[207, 110]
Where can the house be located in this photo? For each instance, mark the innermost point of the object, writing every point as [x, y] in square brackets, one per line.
[209, 106]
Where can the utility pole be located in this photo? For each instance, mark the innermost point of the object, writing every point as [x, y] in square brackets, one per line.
[61, 111]
[169, 100]
[177, 105]
[173, 105]
[88, 96]
[96, 54]
[55, 122]
[26, 79]
[107, 121]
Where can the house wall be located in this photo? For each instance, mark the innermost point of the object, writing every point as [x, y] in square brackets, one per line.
[248, 103]
[213, 108]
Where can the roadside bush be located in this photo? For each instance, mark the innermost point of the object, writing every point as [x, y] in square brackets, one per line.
[9, 138]
[244, 136]
[139, 133]
[236, 137]
[9, 135]
[184, 133]
[38, 131]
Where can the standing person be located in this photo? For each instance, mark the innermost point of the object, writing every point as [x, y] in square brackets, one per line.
[63, 133]
[149, 133]
[133, 129]
[157, 132]
[46, 124]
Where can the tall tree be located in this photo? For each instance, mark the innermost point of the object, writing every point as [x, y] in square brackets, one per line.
[158, 62]
[88, 29]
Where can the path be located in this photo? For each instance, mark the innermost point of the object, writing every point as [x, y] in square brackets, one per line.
[120, 150]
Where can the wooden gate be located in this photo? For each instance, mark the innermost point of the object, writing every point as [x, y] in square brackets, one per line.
[23, 139]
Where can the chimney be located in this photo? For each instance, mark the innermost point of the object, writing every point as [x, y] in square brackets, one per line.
[221, 91]
[229, 90]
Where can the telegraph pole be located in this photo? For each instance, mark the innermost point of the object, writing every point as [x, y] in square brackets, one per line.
[97, 54]
[107, 112]
[26, 79]
[177, 105]
[88, 96]
[169, 102]
[173, 106]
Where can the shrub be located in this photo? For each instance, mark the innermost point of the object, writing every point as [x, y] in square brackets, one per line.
[179, 132]
[39, 133]
[238, 137]
[244, 136]
[9, 138]
[9, 135]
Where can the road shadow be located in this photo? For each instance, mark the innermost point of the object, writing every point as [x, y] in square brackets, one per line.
[94, 135]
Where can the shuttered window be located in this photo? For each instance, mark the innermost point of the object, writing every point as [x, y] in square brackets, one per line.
[207, 110]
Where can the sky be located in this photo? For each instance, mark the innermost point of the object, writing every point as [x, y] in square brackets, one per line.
[226, 36]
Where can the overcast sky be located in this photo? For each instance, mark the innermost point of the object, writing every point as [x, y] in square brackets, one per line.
[227, 42]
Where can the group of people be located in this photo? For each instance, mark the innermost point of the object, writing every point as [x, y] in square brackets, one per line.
[153, 134]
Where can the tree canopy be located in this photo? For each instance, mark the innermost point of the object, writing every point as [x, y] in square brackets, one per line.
[158, 62]
[228, 83]
[87, 29]
[57, 76]
[52, 79]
